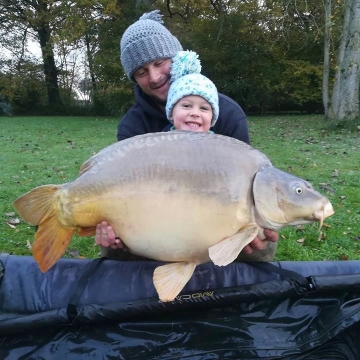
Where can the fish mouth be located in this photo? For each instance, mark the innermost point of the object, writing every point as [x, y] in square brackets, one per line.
[323, 213]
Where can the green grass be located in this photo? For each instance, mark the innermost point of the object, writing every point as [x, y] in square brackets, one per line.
[49, 150]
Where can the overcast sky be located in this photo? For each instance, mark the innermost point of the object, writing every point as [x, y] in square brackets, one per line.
[34, 48]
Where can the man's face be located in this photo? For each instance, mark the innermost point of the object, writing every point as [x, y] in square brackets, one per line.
[154, 79]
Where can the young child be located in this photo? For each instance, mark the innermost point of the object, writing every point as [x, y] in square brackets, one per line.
[193, 100]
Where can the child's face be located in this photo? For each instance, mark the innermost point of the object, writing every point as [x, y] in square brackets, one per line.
[192, 113]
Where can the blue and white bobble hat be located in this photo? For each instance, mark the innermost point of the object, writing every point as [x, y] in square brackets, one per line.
[146, 40]
[186, 80]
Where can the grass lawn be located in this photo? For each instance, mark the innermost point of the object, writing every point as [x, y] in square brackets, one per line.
[49, 150]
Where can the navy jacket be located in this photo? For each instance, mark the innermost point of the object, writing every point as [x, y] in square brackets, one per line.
[144, 117]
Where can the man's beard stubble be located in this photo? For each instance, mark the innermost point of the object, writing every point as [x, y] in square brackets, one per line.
[161, 103]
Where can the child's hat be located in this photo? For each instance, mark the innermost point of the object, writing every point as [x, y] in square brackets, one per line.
[145, 41]
[187, 80]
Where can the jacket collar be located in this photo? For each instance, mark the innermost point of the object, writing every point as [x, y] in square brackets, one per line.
[147, 103]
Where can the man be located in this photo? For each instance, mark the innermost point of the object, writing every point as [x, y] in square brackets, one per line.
[146, 50]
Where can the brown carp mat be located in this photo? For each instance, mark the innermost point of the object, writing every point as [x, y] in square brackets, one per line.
[108, 309]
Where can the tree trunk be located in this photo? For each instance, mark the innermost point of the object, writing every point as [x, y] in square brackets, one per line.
[90, 59]
[345, 96]
[50, 70]
[326, 66]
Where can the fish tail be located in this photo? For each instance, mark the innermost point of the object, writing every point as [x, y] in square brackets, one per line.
[37, 207]
[51, 241]
[36, 204]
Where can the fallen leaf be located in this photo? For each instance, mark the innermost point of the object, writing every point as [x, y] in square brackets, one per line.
[301, 241]
[28, 244]
[74, 253]
[344, 257]
[11, 225]
[14, 221]
[342, 197]
[327, 188]
[335, 173]
[9, 214]
[327, 226]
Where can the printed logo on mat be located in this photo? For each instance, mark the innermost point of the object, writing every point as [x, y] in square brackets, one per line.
[197, 295]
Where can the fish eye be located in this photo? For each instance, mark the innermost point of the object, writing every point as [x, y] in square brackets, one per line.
[299, 190]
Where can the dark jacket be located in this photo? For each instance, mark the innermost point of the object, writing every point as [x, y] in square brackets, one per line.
[144, 117]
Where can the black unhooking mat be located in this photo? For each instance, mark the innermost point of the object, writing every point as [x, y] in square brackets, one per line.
[107, 309]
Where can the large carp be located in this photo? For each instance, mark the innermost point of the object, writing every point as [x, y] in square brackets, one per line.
[180, 197]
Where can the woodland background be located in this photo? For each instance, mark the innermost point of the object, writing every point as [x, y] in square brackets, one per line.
[271, 56]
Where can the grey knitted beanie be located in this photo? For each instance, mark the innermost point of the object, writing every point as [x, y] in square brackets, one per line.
[145, 41]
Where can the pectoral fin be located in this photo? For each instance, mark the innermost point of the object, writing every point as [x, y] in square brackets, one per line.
[170, 279]
[228, 249]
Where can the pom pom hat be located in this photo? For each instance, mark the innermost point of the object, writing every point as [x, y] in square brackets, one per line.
[186, 80]
[145, 41]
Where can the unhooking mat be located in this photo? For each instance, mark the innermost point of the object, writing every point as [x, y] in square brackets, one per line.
[107, 309]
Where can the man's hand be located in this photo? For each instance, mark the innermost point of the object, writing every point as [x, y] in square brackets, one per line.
[105, 236]
[258, 244]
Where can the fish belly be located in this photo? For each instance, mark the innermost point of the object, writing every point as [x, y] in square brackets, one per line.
[175, 227]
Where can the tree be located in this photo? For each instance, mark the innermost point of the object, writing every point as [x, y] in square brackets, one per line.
[326, 66]
[81, 29]
[345, 95]
[40, 16]
[264, 54]
[5, 107]
[114, 93]
[23, 87]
